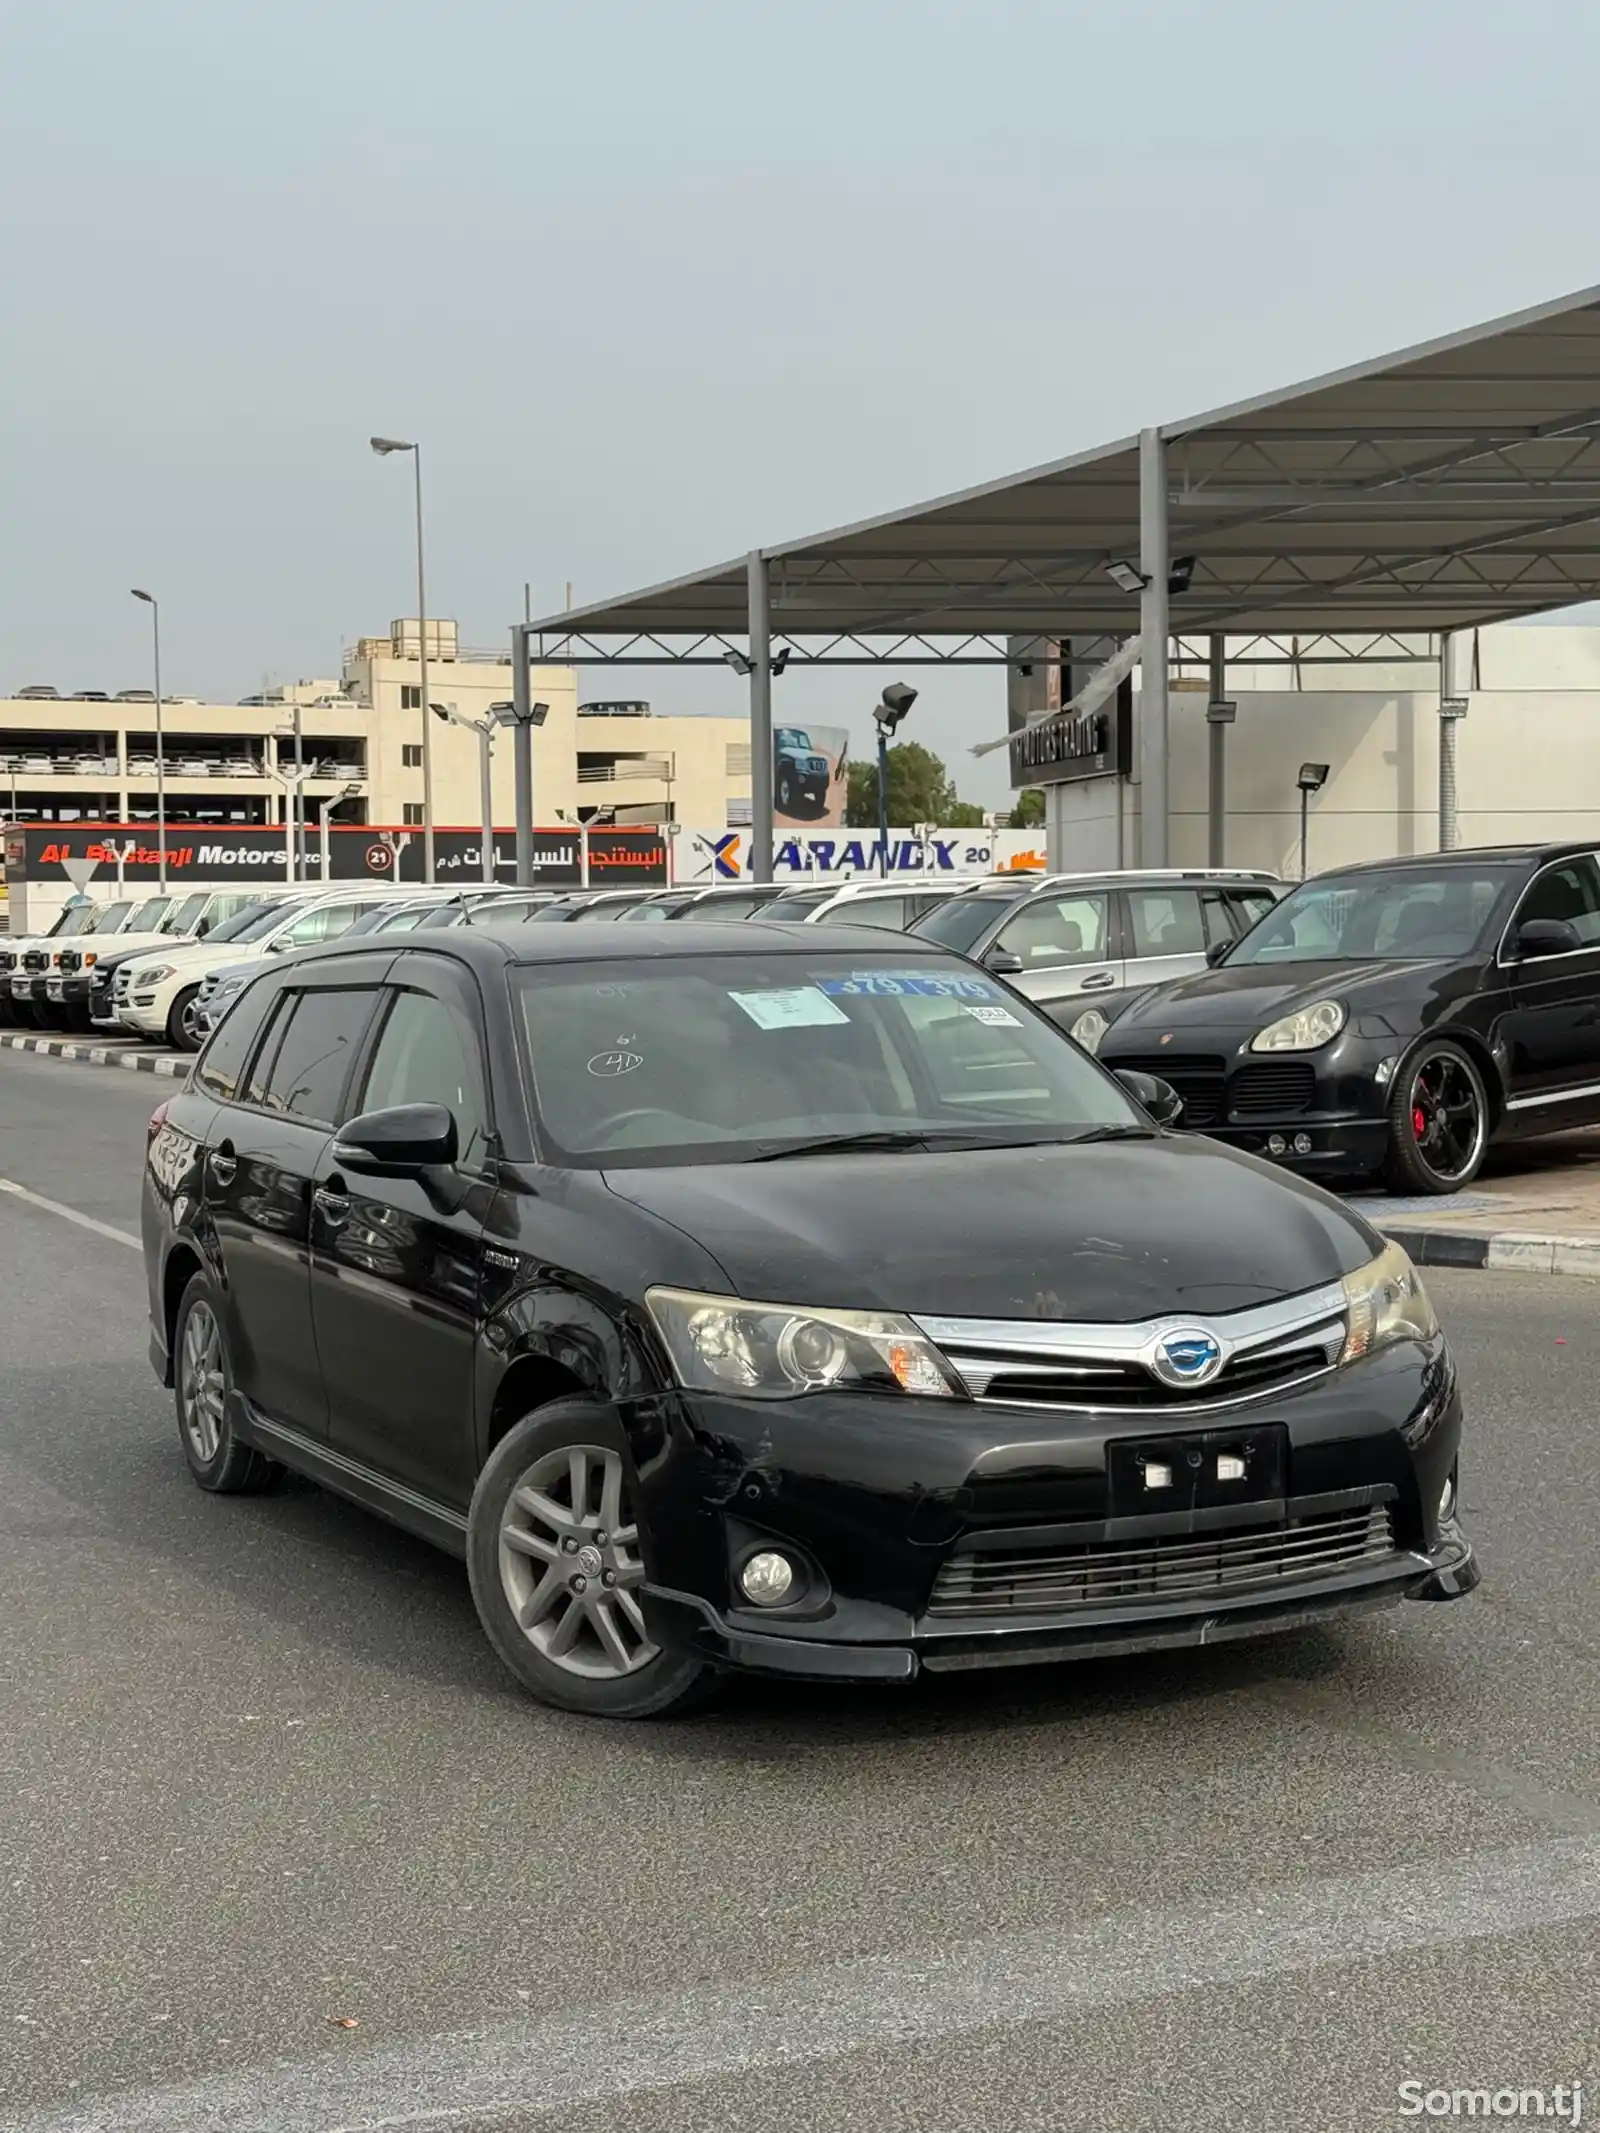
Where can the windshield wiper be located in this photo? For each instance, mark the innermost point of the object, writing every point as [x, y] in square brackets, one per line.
[839, 1143]
[1110, 1133]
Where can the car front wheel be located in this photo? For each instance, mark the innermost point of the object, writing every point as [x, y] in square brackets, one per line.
[553, 1552]
[183, 1032]
[202, 1379]
[1438, 1121]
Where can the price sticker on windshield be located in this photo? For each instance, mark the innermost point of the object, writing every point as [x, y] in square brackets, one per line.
[888, 984]
[788, 1007]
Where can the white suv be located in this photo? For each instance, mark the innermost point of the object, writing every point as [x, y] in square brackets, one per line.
[154, 996]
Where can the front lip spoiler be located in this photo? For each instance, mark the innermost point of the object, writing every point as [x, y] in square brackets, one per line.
[1447, 1572]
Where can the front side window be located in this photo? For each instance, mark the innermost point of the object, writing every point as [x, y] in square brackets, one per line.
[1390, 914]
[222, 1062]
[1569, 892]
[1166, 922]
[730, 1058]
[1050, 932]
[429, 1054]
[302, 1069]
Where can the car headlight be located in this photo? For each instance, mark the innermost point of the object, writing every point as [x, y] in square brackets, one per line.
[1089, 1028]
[1305, 1031]
[778, 1351]
[153, 975]
[1385, 1302]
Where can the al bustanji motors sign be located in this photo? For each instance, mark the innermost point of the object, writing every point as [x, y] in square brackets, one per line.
[616, 856]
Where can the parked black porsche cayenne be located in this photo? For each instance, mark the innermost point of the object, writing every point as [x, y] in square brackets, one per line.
[1393, 1019]
[750, 1299]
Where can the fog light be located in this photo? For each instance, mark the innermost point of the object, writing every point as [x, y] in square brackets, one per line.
[1302, 1144]
[1230, 1467]
[1276, 1144]
[767, 1579]
[1447, 1501]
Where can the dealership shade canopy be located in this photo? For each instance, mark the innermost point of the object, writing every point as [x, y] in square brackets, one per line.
[1452, 484]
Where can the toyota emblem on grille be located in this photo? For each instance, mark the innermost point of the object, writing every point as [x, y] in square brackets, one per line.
[1189, 1356]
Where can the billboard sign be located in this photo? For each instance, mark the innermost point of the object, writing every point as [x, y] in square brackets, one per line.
[809, 775]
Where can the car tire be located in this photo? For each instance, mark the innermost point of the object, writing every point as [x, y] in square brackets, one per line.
[181, 1032]
[202, 1385]
[785, 793]
[52, 1015]
[1439, 1120]
[579, 1646]
[24, 1013]
[78, 1017]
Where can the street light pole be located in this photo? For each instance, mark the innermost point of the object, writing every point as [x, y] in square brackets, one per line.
[383, 446]
[484, 729]
[154, 606]
[324, 809]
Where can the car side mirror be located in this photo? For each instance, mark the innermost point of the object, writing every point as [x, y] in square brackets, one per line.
[1154, 1096]
[202, 929]
[1216, 952]
[398, 1142]
[1003, 963]
[1546, 936]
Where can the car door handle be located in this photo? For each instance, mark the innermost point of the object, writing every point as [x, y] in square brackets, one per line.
[333, 1201]
[1099, 982]
[224, 1162]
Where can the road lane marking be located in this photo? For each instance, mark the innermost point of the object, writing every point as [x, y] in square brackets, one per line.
[69, 1214]
[508, 2075]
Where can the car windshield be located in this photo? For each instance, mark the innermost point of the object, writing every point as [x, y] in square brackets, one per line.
[149, 914]
[238, 927]
[76, 918]
[182, 917]
[735, 1058]
[1387, 915]
[794, 737]
[262, 918]
[109, 917]
[795, 903]
[961, 923]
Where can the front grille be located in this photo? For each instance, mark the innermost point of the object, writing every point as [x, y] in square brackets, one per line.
[72, 959]
[8, 960]
[1277, 1088]
[121, 984]
[1197, 1079]
[36, 959]
[1131, 1385]
[1180, 1567]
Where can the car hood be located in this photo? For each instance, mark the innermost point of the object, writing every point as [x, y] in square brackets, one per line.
[1250, 996]
[194, 956]
[1110, 1233]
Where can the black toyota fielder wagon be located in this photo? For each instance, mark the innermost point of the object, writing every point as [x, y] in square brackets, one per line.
[746, 1297]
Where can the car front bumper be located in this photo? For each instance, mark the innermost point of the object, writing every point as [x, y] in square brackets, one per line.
[884, 1503]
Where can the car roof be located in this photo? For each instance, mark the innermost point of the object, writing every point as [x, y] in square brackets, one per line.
[1471, 855]
[530, 943]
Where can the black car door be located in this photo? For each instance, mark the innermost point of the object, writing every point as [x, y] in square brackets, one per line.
[263, 1148]
[1552, 1017]
[396, 1262]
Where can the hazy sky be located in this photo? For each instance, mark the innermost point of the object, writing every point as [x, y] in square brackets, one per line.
[654, 283]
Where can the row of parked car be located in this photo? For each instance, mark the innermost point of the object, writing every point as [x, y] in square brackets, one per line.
[1390, 1020]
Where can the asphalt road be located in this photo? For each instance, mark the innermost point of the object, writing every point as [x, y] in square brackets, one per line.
[259, 1774]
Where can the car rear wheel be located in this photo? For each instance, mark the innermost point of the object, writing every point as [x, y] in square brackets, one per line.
[183, 1033]
[1438, 1121]
[553, 1551]
[202, 1379]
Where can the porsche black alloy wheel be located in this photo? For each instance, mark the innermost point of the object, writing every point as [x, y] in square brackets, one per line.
[1438, 1121]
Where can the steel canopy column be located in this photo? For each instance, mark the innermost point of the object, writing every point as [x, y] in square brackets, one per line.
[522, 754]
[760, 721]
[1218, 716]
[1153, 649]
[1452, 709]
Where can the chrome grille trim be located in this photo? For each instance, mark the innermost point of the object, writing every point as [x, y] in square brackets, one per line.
[1117, 1358]
[1261, 1558]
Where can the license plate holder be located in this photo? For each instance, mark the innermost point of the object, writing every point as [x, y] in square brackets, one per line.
[1186, 1470]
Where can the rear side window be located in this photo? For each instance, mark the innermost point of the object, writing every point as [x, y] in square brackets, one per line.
[1250, 905]
[222, 1062]
[302, 1067]
[1165, 922]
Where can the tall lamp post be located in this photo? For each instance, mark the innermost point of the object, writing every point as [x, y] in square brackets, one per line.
[897, 701]
[1312, 778]
[324, 809]
[154, 606]
[292, 779]
[484, 729]
[383, 446]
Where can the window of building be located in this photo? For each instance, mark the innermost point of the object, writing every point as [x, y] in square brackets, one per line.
[411, 755]
[410, 696]
[412, 814]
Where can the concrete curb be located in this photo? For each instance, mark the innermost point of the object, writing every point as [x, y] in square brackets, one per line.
[1506, 1251]
[90, 1054]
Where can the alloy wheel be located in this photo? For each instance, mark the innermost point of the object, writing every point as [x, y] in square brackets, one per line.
[201, 1386]
[570, 1564]
[1446, 1112]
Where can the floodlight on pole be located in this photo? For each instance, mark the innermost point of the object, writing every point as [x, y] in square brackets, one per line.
[1180, 572]
[740, 664]
[1128, 577]
[154, 606]
[384, 446]
[891, 709]
[1312, 778]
